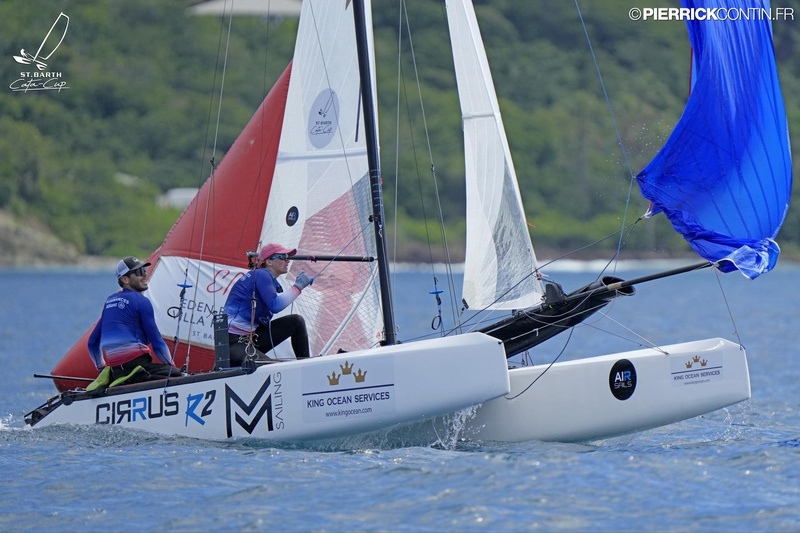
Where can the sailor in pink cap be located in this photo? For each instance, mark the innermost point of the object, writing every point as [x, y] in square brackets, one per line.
[259, 328]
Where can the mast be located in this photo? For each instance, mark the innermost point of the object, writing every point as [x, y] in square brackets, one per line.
[368, 102]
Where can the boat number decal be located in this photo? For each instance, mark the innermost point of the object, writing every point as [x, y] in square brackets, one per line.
[622, 379]
[267, 401]
[322, 119]
[292, 215]
[142, 408]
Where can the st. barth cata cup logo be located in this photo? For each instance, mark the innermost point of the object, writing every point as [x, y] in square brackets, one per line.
[40, 78]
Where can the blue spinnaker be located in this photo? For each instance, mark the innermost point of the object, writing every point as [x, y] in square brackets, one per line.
[724, 176]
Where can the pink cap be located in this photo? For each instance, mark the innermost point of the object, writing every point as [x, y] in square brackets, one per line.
[272, 248]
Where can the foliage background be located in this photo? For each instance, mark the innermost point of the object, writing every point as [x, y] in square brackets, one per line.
[140, 116]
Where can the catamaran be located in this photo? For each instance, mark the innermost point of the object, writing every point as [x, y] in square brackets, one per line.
[305, 172]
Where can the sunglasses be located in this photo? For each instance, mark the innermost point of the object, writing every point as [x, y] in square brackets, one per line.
[141, 272]
[282, 257]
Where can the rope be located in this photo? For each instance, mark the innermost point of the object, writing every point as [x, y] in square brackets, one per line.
[207, 208]
[727, 306]
[186, 283]
[250, 347]
[324, 64]
[616, 128]
[397, 142]
[646, 342]
[436, 323]
[446, 248]
[532, 383]
[177, 313]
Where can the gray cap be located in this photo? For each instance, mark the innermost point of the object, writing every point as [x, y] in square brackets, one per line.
[129, 263]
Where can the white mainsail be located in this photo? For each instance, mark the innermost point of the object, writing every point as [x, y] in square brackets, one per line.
[319, 201]
[500, 264]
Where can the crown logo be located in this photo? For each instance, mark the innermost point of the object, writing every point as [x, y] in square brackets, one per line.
[333, 379]
[346, 369]
[696, 359]
[359, 376]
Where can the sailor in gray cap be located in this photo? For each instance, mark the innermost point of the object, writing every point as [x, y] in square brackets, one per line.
[120, 342]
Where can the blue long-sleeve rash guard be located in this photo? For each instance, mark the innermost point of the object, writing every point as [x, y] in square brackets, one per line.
[124, 330]
[269, 301]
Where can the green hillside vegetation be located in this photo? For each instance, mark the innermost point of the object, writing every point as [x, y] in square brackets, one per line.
[144, 78]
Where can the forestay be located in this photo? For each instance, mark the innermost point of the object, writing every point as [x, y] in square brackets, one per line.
[724, 177]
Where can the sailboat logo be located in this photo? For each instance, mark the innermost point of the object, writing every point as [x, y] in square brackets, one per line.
[49, 45]
[323, 119]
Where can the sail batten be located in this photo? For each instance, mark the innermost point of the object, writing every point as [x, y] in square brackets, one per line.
[724, 176]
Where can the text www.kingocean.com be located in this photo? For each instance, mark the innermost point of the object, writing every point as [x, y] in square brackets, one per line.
[348, 412]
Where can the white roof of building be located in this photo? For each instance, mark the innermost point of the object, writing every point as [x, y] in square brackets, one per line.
[276, 8]
[177, 198]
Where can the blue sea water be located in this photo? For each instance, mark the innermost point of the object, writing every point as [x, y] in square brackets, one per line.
[732, 470]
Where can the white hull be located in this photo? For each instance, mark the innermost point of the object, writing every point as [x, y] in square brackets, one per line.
[575, 401]
[310, 399]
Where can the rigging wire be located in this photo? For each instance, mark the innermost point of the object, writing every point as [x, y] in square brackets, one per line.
[183, 286]
[250, 347]
[345, 154]
[213, 158]
[419, 187]
[615, 258]
[436, 322]
[324, 62]
[480, 316]
[616, 130]
[647, 343]
[223, 54]
[397, 140]
[446, 248]
[627, 160]
[621, 233]
[728, 306]
[209, 213]
[479, 312]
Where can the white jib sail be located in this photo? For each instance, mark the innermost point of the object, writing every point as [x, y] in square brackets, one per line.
[500, 261]
[320, 198]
